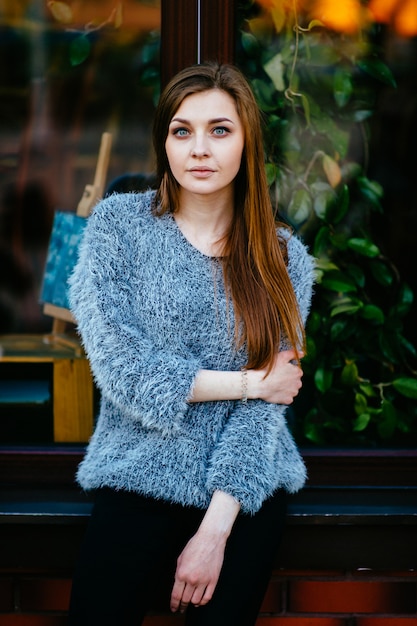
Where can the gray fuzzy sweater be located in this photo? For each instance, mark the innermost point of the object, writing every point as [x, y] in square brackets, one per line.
[152, 311]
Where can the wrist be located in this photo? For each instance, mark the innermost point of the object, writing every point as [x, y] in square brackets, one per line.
[253, 384]
[220, 516]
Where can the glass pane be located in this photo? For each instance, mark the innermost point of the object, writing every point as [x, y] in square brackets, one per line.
[69, 72]
[336, 83]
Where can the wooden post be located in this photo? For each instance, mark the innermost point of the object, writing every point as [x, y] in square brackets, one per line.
[72, 400]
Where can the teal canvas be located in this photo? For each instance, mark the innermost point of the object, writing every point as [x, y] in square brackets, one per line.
[67, 231]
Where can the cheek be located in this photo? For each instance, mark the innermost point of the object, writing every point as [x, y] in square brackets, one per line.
[237, 157]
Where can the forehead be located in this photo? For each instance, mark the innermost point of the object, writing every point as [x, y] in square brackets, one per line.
[212, 103]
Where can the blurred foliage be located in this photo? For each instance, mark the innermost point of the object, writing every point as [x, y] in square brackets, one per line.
[81, 40]
[317, 88]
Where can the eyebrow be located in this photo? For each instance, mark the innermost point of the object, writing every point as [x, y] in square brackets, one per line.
[216, 120]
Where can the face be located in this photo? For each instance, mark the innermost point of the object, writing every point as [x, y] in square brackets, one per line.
[205, 143]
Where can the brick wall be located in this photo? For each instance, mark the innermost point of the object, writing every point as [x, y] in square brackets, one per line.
[294, 598]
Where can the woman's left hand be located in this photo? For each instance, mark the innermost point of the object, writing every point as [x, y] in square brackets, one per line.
[198, 570]
[199, 564]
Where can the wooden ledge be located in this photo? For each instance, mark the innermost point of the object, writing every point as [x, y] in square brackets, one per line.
[56, 465]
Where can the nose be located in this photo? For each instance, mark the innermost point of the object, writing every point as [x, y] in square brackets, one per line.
[200, 146]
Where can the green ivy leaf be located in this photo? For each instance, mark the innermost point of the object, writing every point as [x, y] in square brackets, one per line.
[363, 246]
[377, 69]
[322, 201]
[341, 207]
[350, 374]
[406, 295]
[406, 386]
[250, 44]
[373, 313]
[275, 70]
[79, 50]
[300, 206]
[382, 273]
[321, 241]
[326, 265]
[339, 282]
[361, 422]
[372, 191]
[323, 379]
[361, 404]
[348, 309]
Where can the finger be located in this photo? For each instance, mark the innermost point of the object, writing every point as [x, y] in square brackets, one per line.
[176, 596]
[208, 594]
[286, 355]
[198, 595]
[187, 595]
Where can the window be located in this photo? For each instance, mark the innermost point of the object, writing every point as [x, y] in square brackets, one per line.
[69, 72]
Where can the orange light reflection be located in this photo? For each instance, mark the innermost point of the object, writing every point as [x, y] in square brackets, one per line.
[349, 16]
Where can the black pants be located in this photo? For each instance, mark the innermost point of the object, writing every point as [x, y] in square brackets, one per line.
[129, 555]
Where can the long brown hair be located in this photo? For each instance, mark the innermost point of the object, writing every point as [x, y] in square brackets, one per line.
[254, 258]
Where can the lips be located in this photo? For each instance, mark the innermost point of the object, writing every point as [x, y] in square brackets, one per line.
[201, 172]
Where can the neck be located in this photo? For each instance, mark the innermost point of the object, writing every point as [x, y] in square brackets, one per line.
[204, 221]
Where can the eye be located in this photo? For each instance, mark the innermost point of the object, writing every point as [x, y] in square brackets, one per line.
[180, 132]
[220, 131]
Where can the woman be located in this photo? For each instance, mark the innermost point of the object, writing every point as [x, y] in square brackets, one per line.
[191, 310]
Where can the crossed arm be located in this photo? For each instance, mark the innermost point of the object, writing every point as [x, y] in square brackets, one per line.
[280, 386]
[199, 564]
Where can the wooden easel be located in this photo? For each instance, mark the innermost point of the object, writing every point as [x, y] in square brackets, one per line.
[92, 194]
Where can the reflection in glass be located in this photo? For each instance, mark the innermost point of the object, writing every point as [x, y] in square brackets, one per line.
[69, 72]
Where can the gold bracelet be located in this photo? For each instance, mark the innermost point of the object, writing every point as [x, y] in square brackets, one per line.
[244, 386]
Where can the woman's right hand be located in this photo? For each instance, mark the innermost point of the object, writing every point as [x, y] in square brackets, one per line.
[281, 385]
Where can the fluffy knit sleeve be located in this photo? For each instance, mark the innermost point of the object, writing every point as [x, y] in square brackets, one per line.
[147, 384]
[256, 453]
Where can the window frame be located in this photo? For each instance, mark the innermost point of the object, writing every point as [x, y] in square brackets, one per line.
[194, 31]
